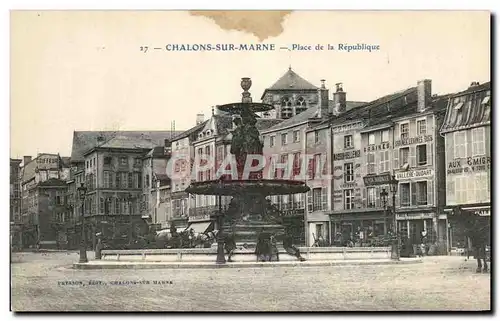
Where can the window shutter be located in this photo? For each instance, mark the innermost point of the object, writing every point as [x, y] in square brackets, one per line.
[468, 143]
[324, 199]
[450, 192]
[309, 202]
[413, 157]
[413, 128]
[430, 192]
[413, 191]
[430, 153]
[397, 135]
[378, 201]
[396, 158]
[365, 202]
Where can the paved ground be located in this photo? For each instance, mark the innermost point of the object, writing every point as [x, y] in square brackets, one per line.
[440, 283]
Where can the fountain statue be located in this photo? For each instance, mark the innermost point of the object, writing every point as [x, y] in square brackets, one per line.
[249, 214]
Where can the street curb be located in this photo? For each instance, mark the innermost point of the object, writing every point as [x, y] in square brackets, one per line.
[133, 265]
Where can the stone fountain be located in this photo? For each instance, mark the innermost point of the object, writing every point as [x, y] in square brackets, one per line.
[249, 213]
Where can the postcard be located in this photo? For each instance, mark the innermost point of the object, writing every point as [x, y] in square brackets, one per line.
[270, 161]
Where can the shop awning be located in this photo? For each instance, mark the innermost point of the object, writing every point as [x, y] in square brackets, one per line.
[199, 227]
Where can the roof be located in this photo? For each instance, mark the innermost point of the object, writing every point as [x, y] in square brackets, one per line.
[156, 152]
[163, 178]
[192, 131]
[308, 114]
[86, 140]
[468, 108]
[291, 81]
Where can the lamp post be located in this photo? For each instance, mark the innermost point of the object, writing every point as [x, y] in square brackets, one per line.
[221, 259]
[383, 196]
[393, 184]
[82, 191]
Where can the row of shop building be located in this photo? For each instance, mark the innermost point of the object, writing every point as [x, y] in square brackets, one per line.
[436, 146]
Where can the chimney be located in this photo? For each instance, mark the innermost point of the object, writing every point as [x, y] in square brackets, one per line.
[200, 118]
[339, 99]
[323, 101]
[424, 94]
[474, 84]
[26, 160]
[167, 142]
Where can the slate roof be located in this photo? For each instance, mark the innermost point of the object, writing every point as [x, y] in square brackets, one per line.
[308, 114]
[468, 108]
[192, 131]
[83, 141]
[291, 81]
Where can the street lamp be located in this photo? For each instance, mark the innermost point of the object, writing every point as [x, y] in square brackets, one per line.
[393, 184]
[221, 259]
[383, 196]
[82, 192]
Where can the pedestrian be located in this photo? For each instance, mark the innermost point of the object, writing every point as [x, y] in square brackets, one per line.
[229, 246]
[291, 249]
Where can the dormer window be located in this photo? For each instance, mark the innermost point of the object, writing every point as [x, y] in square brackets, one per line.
[458, 106]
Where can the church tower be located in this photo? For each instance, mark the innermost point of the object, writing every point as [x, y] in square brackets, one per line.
[290, 96]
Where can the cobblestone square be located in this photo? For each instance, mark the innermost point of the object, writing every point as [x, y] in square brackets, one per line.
[46, 282]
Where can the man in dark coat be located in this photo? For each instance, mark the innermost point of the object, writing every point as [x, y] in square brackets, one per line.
[479, 239]
[290, 248]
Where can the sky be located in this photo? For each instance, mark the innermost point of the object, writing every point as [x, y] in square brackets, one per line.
[74, 71]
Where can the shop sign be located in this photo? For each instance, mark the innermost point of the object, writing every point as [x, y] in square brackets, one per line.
[196, 218]
[413, 140]
[482, 212]
[471, 164]
[372, 148]
[348, 127]
[348, 185]
[347, 155]
[377, 179]
[415, 216]
[295, 212]
[415, 174]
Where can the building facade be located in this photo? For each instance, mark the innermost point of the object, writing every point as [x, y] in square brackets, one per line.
[43, 208]
[467, 134]
[15, 204]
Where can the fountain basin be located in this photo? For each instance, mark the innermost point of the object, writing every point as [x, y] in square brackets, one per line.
[246, 255]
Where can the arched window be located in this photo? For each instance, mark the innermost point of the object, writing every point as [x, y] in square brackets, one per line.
[301, 102]
[300, 105]
[286, 108]
[286, 102]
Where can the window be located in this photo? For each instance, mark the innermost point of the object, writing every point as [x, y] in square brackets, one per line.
[421, 127]
[316, 136]
[301, 102]
[124, 180]
[372, 196]
[348, 143]
[118, 180]
[137, 161]
[106, 179]
[284, 138]
[460, 141]
[422, 154]
[296, 136]
[101, 205]
[478, 141]
[371, 139]
[130, 180]
[146, 181]
[316, 169]
[348, 199]
[384, 161]
[283, 161]
[385, 136]
[123, 161]
[207, 150]
[272, 141]
[404, 129]
[370, 163]
[319, 199]
[421, 193]
[297, 162]
[404, 156]
[58, 200]
[107, 160]
[348, 173]
[404, 194]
